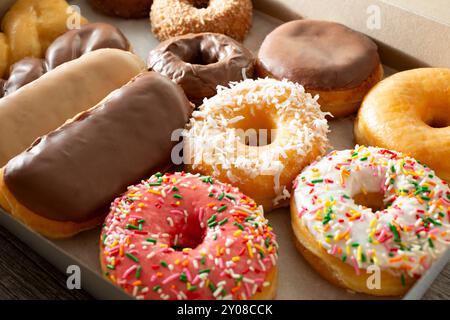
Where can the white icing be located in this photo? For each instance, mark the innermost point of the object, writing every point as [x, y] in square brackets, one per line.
[373, 174]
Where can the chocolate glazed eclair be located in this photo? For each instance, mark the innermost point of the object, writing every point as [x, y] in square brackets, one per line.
[65, 181]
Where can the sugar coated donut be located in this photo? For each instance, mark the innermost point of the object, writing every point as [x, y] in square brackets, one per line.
[327, 58]
[184, 236]
[171, 18]
[257, 135]
[358, 210]
[200, 62]
[410, 112]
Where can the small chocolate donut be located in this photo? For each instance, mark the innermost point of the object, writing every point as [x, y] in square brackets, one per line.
[69, 46]
[201, 62]
[23, 72]
[73, 44]
[128, 9]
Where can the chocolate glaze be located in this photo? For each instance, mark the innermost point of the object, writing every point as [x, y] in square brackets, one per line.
[69, 46]
[24, 72]
[74, 43]
[318, 54]
[201, 62]
[74, 172]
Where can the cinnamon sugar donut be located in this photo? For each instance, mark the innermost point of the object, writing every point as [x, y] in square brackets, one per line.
[171, 18]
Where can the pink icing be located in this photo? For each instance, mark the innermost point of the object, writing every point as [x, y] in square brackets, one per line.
[183, 236]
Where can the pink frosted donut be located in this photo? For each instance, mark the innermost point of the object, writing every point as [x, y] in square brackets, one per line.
[184, 236]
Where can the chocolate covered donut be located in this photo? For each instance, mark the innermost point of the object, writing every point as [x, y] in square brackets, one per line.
[22, 73]
[69, 46]
[327, 58]
[201, 62]
[73, 173]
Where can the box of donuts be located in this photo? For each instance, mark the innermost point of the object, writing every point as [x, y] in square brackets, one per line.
[184, 150]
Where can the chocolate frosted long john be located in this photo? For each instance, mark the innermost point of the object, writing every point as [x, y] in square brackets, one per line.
[73, 173]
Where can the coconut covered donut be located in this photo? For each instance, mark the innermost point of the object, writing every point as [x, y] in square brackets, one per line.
[183, 236]
[172, 18]
[340, 234]
[257, 135]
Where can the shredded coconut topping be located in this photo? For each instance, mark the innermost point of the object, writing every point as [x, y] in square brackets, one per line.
[214, 137]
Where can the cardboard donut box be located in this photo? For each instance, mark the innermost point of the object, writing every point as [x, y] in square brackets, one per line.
[409, 34]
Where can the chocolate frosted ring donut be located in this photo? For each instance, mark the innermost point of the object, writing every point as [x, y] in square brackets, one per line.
[201, 62]
[69, 46]
[172, 18]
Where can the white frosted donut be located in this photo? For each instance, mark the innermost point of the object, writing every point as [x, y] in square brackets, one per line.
[342, 238]
[217, 141]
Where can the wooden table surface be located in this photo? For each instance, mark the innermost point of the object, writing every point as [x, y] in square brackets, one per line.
[25, 275]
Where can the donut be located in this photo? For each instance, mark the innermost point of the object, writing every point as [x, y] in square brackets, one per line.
[30, 26]
[327, 58]
[201, 62]
[183, 236]
[257, 135]
[129, 9]
[73, 87]
[410, 112]
[366, 209]
[170, 18]
[21, 73]
[69, 46]
[94, 156]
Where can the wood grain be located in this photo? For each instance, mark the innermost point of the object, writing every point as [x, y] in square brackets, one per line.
[25, 275]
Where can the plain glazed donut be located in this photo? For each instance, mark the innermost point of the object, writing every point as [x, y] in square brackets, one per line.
[201, 62]
[342, 237]
[182, 236]
[172, 18]
[257, 135]
[327, 58]
[64, 183]
[410, 112]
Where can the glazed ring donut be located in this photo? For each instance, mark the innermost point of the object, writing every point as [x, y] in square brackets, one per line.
[183, 236]
[410, 112]
[201, 62]
[371, 207]
[257, 135]
[172, 18]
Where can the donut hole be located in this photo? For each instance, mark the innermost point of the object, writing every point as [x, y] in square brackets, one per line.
[256, 130]
[372, 200]
[438, 123]
[191, 235]
[200, 4]
[196, 55]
